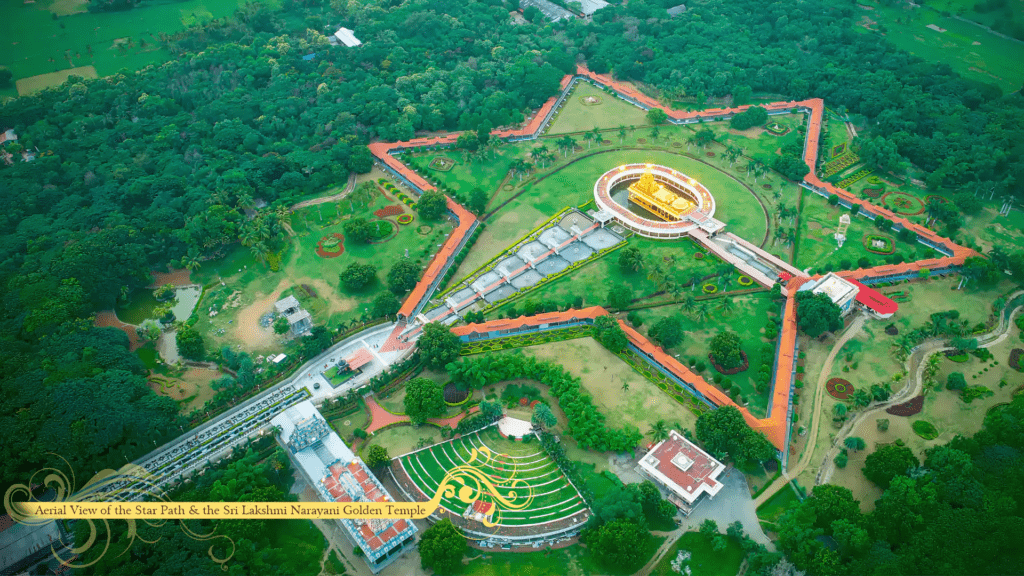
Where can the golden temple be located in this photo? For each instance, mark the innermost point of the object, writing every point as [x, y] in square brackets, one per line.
[658, 199]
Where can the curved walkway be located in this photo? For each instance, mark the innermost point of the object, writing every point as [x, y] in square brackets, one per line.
[915, 364]
[812, 437]
[349, 187]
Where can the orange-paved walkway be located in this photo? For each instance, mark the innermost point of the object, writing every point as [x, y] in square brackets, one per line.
[381, 418]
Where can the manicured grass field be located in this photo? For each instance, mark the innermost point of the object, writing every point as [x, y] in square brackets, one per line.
[756, 142]
[972, 51]
[937, 295]
[553, 497]
[705, 560]
[747, 319]
[487, 173]
[817, 246]
[35, 43]
[773, 509]
[603, 375]
[610, 113]
[990, 229]
[593, 281]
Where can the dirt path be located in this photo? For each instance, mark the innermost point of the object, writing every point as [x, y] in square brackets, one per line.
[819, 391]
[248, 327]
[349, 187]
[669, 541]
[916, 364]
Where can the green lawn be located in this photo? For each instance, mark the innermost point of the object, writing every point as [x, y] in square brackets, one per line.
[775, 506]
[756, 142]
[593, 281]
[989, 229]
[487, 173]
[572, 561]
[938, 295]
[817, 247]
[33, 37]
[610, 113]
[705, 560]
[972, 51]
[748, 321]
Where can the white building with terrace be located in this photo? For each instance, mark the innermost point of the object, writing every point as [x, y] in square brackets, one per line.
[686, 472]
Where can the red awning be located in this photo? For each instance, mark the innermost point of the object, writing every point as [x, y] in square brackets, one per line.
[361, 358]
[874, 299]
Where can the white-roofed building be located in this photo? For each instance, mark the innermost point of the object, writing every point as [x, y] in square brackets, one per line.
[347, 37]
[842, 292]
[299, 320]
[684, 470]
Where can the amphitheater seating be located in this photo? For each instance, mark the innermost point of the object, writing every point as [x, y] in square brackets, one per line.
[554, 498]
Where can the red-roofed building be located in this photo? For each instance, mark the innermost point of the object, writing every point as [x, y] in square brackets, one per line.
[684, 470]
[480, 510]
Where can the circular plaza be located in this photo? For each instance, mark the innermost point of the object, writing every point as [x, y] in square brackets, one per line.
[671, 204]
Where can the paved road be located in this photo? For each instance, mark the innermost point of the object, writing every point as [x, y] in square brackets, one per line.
[212, 440]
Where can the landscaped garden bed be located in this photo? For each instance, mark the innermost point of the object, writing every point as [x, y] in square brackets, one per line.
[709, 288]
[404, 219]
[730, 371]
[888, 244]
[776, 129]
[856, 177]
[903, 204]
[766, 186]
[383, 231]
[925, 429]
[931, 197]
[908, 408]
[442, 164]
[1016, 355]
[839, 388]
[872, 192]
[710, 154]
[838, 149]
[331, 246]
[389, 210]
[745, 280]
[424, 229]
[839, 164]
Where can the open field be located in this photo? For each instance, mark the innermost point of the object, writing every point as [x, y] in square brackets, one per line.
[611, 112]
[191, 389]
[32, 84]
[604, 374]
[551, 496]
[757, 142]
[36, 42]
[747, 319]
[989, 229]
[817, 247]
[705, 561]
[938, 295]
[404, 439]
[972, 51]
[251, 288]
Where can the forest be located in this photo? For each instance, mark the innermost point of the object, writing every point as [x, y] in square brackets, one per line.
[143, 170]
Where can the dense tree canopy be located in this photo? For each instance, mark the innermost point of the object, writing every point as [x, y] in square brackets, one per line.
[723, 431]
[438, 346]
[442, 548]
[817, 314]
[424, 399]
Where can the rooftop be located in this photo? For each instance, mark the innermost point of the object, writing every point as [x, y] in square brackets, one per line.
[286, 304]
[835, 287]
[873, 299]
[347, 37]
[683, 468]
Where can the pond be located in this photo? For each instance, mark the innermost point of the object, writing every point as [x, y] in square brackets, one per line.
[141, 304]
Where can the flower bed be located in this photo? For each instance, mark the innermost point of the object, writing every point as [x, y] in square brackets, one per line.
[838, 149]
[677, 144]
[889, 248]
[903, 204]
[766, 186]
[389, 210]
[931, 197]
[1016, 355]
[641, 140]
[839, 388]
[404, 219]
[856, 177]
[383, 231]
[698, 256]
[872, 192]
[925, 429]
[710, 154]
[745, 280]
[839, 164]
[709, 288]
[776, 129]
[442, 164]
[331, 246]
[730, 371]
[958, 357]
[908, 408]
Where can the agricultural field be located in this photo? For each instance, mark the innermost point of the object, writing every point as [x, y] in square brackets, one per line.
[53, 35]
[969, 49]
[580, 115]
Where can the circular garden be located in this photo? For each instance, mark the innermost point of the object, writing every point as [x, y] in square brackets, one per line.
[404, 219]
[903, 204]
[839, 388]
[745, 280]
[382, 231]
[709, 288]
[442, 164]
[331, 246]
[879, 244]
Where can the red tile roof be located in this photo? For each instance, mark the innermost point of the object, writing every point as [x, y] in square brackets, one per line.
[701, 472]
[361, 358]
[482, 507]
[874, 299]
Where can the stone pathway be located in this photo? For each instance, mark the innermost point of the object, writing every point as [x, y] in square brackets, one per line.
[380, 418]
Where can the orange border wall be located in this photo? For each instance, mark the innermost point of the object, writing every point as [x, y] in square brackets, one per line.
[775, 427]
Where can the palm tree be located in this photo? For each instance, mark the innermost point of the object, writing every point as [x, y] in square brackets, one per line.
[260, 251]
[191, 260]
[597, 135]
[655, 132]
[839, 411]
[658, 431]
[563, 144]
[751, 167]
[861, 397]
[691, 141]
[854, 443]
[635, 260]
[727, 305]
[622, 133]
[625, 386]
[901, 347]
[249, 236]
[695, 279]
[656, 274]
[588, 137]
[702, 312]
[733, 153]
[689, 304]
